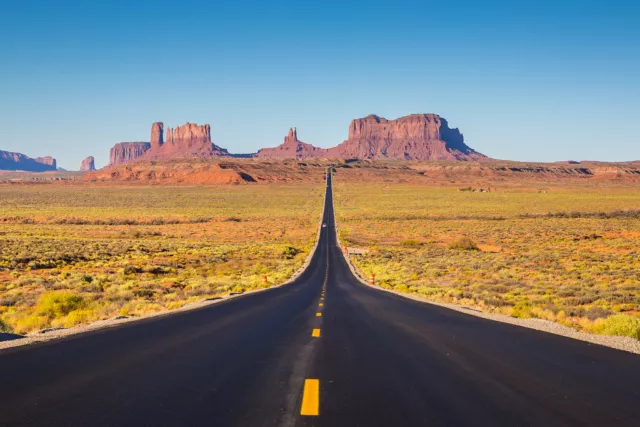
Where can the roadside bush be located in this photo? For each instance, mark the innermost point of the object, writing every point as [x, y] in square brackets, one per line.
[4, 327]
[464, 244]
[595, 313]
[77, 317]
[619, 324]
[58, 304]
[401, 288]
[410, 242]
[290, 252]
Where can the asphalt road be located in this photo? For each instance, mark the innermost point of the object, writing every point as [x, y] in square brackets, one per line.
[376, 360]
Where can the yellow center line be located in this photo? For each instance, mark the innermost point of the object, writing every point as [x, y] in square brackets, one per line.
[311, 398]
[318, 314]
[320, 305]
[315, 333]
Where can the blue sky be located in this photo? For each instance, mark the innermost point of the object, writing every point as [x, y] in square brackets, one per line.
[523, 80]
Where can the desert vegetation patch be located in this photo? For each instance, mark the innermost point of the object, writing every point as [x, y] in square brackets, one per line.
[562, 252]
[71, 254]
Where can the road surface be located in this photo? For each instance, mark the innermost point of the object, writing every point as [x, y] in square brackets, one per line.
[323, 351]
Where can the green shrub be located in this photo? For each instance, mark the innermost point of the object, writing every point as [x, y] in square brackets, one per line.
[58, 304]
[464, 244]
[4, 327]
[290, 252]
[619, 324]
[410, 242]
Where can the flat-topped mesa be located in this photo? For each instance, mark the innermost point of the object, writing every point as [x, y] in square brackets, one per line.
[18, 161]
[88, 164]
[291, 148]
[47, 160]
[412, 137]
[188, 140]
[124, 152]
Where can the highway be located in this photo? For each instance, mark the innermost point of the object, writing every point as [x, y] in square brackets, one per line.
[322, 351]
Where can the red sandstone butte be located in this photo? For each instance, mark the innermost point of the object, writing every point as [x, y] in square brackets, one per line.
[291, 148]
[188, 140]
[157, 135]
[124, 152]
[412, 137]
[88, 164]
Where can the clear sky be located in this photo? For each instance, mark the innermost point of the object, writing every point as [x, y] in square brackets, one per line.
[523, 80]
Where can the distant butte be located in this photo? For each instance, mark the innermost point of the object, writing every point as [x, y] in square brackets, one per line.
[20, 162]
[291, 148]
[188, 140]
[413, 137]
[124, 152]
[88, 164]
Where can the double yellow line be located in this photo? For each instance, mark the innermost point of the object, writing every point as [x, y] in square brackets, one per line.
[311, 391]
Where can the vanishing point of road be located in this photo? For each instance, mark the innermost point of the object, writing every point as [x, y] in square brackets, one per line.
[322, 351]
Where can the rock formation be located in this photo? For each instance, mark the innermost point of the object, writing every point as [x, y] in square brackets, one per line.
[291, 148]
[412, 137]
[88, 164]
[157, 135]
[188, 140]
[124, 152]
[17, 161]
[47, 160]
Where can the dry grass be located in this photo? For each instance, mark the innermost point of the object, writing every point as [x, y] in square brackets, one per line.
[567, 254]
[71, 255]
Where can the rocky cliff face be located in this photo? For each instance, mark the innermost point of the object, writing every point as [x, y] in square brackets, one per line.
[413, 137]
[88, 164]
[124, 152]
[188, 140]
[17, 161]
[291, 148]
[157, 135]
[47, 160]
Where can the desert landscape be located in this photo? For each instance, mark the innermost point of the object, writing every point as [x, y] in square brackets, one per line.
[179, 219]
[76, 254]
[307, 214]
[563, 252]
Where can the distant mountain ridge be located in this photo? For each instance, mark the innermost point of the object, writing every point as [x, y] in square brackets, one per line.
[21, 162]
